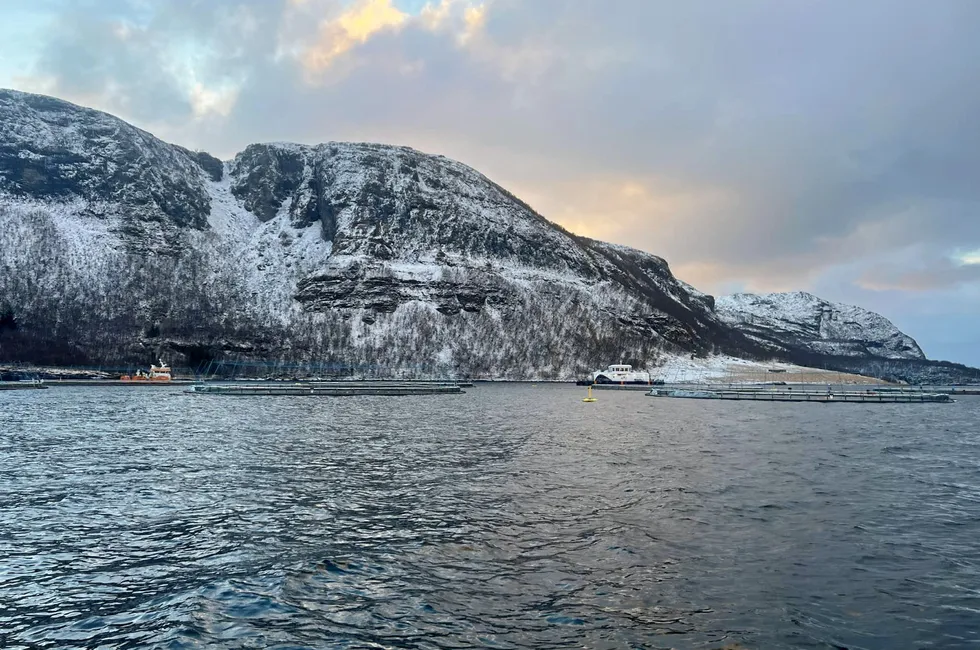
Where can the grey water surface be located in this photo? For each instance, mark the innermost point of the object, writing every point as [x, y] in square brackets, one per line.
[511, 516]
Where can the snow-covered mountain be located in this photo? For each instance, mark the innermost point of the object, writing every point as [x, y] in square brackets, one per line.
[116, 247]
[800, 320]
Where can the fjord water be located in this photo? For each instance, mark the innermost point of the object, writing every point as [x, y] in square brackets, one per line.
[511, 516]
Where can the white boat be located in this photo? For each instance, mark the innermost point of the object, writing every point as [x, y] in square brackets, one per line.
[620, 374]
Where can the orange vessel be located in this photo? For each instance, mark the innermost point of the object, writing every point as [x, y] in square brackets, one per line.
[157, 373]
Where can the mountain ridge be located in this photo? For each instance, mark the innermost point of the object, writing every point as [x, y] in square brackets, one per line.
[357, 252]
[799, 318]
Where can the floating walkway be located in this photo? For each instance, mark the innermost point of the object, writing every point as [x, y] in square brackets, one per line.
[863, 397]
[963, 391]
[118, 382]
[620, 386]
[329, 389]
[21, 385]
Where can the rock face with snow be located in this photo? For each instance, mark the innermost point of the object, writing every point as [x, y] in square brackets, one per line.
[802, 321]
[116, 247]
[53, 151]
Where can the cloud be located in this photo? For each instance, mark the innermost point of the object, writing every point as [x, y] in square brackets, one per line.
[647, 213]
[150, 62]
[970, 258]
[205, 101]
[937, 276]
[352, 27]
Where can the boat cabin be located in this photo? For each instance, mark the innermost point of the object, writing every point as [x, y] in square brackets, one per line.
[620, 373]
[156, 373]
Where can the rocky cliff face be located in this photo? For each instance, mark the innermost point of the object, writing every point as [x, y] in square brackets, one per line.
[802, 321]
[117, 247]
[56, 152]
[405, 227]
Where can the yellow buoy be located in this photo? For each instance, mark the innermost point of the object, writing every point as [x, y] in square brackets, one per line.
[589, 398]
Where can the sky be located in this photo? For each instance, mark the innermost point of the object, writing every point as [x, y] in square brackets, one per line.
[829, 146]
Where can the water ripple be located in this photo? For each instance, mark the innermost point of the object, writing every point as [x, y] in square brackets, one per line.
[511, 517]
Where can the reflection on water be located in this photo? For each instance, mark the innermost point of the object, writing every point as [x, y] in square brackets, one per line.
[512, 516]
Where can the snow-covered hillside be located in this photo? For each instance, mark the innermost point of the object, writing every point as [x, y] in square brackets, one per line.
[802, 320]
[116, 247]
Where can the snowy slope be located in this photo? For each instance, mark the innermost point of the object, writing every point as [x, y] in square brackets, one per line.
[802, 320]
[403, 227]
[117, 247]
[57, 152]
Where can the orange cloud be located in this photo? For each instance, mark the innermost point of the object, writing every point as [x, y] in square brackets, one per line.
[622, 210]
[351, 28]
[339, 35]
[473, 20]
[768, 276]
[938, 276]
